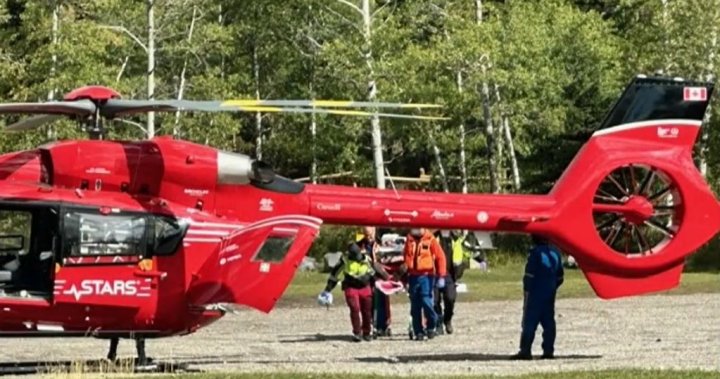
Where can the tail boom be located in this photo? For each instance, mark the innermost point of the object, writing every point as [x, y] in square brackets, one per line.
[364, 206]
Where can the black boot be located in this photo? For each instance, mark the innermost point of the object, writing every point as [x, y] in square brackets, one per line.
[448, 327]
[112, 354]
[523, 356]
[140, 346]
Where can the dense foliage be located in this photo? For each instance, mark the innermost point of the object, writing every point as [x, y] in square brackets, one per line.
[516, 77]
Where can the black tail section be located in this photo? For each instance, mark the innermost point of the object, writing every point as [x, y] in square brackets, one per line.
[658, 98]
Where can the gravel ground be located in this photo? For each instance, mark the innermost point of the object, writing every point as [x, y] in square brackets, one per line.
[661, 332]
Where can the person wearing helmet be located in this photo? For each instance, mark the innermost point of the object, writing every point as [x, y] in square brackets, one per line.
[358, 271]
[425, 264]
[370, 244]
[543, 276]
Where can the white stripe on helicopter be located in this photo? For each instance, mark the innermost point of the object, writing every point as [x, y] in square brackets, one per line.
[215, 234]
[644, 124]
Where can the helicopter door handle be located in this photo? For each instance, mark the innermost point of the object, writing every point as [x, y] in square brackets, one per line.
[151, 274]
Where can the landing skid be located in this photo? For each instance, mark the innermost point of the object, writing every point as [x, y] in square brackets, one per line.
[122, 366]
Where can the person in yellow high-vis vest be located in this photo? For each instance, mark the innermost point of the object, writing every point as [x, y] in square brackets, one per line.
[452, 244]
[358, 271]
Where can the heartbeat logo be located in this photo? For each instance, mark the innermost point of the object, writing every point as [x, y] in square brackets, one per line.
[95, 287]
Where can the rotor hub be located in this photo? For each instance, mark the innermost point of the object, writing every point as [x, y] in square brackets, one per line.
[94, 93]
[638, 210]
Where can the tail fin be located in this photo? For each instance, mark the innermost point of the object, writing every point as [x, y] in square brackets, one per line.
[634, 204]
[659, 98]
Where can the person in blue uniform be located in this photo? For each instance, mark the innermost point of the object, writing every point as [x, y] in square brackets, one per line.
[543, 276]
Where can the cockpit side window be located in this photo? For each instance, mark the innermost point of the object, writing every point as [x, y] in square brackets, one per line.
[89, 233]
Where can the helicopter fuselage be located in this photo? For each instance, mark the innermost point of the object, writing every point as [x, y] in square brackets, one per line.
[155, 238]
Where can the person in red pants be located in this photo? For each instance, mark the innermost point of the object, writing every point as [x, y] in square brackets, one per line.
[358, 270]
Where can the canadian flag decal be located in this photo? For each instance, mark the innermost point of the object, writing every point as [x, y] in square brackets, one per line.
[695, 94]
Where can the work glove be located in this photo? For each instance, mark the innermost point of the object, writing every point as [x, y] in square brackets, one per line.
[325, 298]
[441, 283]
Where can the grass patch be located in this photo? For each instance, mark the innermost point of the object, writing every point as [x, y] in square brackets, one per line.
[502, 282]
[614, 374]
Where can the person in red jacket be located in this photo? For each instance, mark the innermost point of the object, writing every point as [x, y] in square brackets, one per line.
[426, 269]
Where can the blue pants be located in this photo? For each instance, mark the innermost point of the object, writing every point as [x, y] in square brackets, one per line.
[539, 309]
[381, 305]
[421, 301]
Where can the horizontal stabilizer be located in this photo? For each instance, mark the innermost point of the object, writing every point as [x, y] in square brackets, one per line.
[608, 286]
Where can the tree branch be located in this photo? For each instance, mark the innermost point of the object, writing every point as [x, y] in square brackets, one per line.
[379, 9]
[372, 18]
[126, 31]
[351, 5]
[353, 24]
[131, 123]
[313, 41]
[122, 69]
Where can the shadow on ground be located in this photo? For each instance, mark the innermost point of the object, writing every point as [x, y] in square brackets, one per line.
[459, 357]
[183, 364]
[319, 338]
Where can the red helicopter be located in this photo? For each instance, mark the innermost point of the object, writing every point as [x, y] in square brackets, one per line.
[153, 238]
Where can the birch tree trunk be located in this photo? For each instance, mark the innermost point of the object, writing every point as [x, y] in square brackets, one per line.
[181, 88]
[478, 11]
[463, 165]
[500, 147]
[710, 77]
[53, 57]
[489, 134]
[378, 159]
[511, 151]
[505, 134]
[313, 134]
[53, 61]
[258, 115]
[487, 115]
[438, 160]
[151, 66]
[313, 119]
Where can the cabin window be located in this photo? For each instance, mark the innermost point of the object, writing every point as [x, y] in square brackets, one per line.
[94, 234]
[275, 248]
[15, 228]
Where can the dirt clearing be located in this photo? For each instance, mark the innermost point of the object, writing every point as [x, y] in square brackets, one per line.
[661, 332]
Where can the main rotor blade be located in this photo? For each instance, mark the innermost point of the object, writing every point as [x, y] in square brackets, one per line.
[342, 112]
[80, 107]
[32, 122]
[116, 107]
[326, 104]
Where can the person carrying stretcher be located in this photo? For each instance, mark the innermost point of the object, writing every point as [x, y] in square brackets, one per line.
[358, 270]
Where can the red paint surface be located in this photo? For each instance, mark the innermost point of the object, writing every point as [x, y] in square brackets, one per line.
[218, 262]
